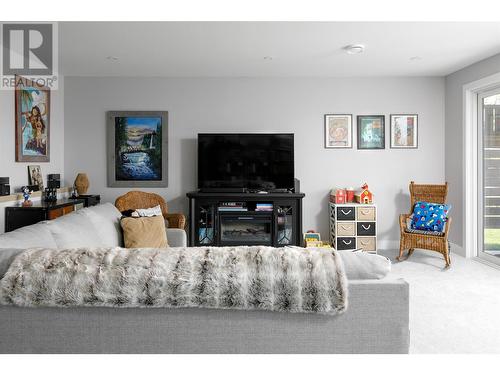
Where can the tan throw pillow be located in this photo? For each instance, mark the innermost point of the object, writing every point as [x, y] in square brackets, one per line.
[144, 232]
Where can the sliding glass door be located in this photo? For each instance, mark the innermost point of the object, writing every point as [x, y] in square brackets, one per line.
[489, 175]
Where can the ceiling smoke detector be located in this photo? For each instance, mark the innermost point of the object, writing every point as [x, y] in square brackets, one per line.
[354, 49]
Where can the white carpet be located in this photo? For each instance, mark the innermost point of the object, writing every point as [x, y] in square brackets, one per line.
[455, 310]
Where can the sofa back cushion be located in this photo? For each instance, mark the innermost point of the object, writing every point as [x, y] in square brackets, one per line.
[106, 219]
[75, 230]
[37, 235]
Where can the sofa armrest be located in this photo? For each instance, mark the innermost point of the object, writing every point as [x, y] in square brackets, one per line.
[176, 237]
[175, 220]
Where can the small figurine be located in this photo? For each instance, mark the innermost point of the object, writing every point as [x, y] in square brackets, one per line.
[364, 196]
[26, 195]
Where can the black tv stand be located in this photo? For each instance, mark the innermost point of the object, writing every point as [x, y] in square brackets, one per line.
[270, 219]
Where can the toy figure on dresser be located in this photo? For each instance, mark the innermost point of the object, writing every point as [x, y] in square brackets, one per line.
[364, 196]
[26, 195]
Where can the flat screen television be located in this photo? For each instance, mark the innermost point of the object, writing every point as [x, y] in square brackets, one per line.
[245, 161]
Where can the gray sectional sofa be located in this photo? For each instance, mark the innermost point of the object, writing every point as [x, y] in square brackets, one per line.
[377, 320]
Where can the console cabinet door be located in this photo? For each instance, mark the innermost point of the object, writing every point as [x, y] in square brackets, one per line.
[205, 228]
[287, 226]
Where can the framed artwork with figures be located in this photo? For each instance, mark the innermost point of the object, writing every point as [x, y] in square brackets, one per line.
[404, 131]
[32, 107]
[338, 131]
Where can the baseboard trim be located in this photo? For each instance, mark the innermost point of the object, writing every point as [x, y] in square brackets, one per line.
[457, 249]
[388, 244]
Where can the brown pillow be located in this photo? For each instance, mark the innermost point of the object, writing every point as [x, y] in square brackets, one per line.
[144, 232]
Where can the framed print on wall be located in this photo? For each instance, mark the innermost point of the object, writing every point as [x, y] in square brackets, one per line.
[137, 148]
[32, 107]
[404, 131]
[371, 132]
[338, 131]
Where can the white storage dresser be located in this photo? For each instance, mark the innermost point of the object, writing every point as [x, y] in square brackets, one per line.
[353, 226]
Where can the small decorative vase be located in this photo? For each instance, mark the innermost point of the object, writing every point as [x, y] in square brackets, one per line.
[82, 183]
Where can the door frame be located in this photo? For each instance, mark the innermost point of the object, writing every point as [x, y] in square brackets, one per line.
[471, 92]
[480, 176]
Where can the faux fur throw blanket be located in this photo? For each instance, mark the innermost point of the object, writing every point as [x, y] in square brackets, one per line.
[278, 279]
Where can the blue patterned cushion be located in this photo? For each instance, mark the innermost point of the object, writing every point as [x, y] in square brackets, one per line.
[430, 216]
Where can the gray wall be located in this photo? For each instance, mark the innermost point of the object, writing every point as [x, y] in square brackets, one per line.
[267, 105]
[454, 155]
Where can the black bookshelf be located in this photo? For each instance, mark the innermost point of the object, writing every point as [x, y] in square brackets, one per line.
[232, 219]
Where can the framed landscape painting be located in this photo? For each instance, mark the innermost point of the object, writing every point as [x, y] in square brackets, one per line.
[32, 107]
[404, 131]
[338, 131]
[137, 148]
[371, 132]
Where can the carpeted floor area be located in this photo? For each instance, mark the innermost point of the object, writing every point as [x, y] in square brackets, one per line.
[455, 310]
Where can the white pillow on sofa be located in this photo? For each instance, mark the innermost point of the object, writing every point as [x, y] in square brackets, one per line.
[106, 219]
[360, 265]
[75, 230]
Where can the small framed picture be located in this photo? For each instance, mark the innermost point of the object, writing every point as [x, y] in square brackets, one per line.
[371, 132]
[35, 176]
[404, 131]
[338, 131]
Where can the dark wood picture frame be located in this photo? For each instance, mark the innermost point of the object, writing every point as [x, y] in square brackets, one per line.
[360, 145]
[24, 97]
[415, 146]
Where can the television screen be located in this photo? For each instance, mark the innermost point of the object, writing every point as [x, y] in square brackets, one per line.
[251, 161]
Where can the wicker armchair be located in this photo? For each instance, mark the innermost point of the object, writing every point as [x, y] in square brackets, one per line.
[410, 241]
[139, 199]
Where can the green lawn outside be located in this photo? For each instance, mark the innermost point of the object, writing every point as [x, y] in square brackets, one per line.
[492, 239]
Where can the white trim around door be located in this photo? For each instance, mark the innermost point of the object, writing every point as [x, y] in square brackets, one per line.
[470, 161]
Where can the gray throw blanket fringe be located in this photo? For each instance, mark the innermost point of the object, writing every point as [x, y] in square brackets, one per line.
[286, 279]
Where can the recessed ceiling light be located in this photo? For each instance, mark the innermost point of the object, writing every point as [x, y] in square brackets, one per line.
[354, 49]
[268, 58]
[112, 58]
[415, 58]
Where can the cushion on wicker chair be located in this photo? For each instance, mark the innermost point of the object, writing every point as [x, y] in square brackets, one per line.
[409, 229]
[429, 216]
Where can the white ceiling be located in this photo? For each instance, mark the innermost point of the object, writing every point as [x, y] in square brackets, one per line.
[303, 49]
